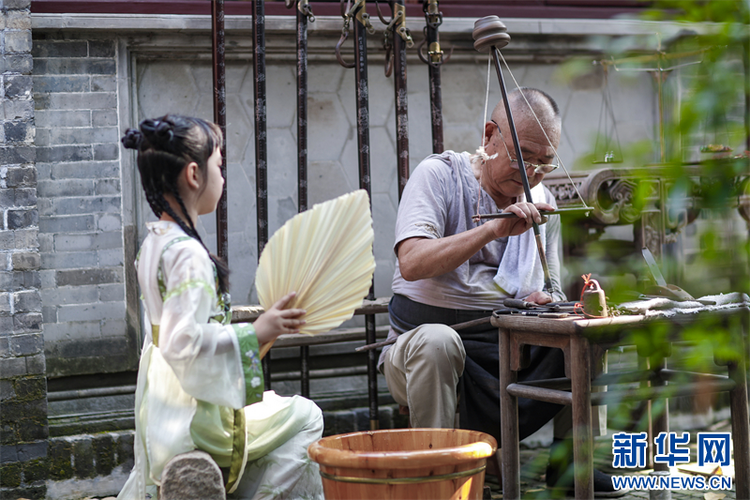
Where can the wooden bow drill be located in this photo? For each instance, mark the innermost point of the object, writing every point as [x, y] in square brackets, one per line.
[490, 34]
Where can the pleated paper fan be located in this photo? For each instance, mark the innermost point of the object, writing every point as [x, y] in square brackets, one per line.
[325, 255]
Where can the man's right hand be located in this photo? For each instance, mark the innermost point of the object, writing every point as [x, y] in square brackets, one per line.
[422, 258]
[527, 213]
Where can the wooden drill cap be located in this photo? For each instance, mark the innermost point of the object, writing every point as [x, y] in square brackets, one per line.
[489, 31]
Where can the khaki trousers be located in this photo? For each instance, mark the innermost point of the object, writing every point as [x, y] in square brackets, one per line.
[422, 370]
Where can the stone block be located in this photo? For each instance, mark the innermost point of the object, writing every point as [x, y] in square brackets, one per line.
[112, 293]
[17, 86]
[18, 132]
[111, 258]
[24, 261]
[35, 470]
[17, 63]
[31, 388]
[103, 83]
[45, 242]
[7, 390]
[6, 325]
[18, 110]
[10, 475]
[104, 454]
[60, 48]
[25, 345]
[36, 364]
[59, 458]
[66, 187]
[68, 260]
[7, 199]
[103, 118]
[107, 186]
[72, 223]
[87, 277]
[61, 332]
[26, 301]
[84, 135]
[12, 367]
[104, 152]
[192, 475]
[125, 450]
[64, 66]
[21, 176]
[8, 454]
[17, 41]
[23, 218]
[79, 205]
[26, 491]
[25, 197]
[26, 238]
[32, 451]
[78, 100]
[114, 327]
[57, 154]
[86, 170]
[49, 314]
[53, 118]
[65, 83]
[91, 312]
[101, 48]
[83, 459]
[17, 155]
[5, 301]
[28, 322]
[70, 295]
[17, 20]
[108, 222]
[29, 430]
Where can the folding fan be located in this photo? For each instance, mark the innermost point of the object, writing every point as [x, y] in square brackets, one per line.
[325, 255]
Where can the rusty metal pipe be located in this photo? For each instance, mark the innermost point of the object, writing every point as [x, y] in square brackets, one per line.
[401, 98]
[261, 146]
[363, 148]
[433, 19]
[220, 118]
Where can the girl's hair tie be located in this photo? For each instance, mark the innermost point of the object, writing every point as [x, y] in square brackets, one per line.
[132, 138]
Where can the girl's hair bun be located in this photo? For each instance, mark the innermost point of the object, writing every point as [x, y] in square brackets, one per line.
[132, 138]
[158, 131]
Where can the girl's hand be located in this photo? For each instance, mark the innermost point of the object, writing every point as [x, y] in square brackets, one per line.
[278, 320]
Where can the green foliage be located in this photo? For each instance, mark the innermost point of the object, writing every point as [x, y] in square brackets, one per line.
[704, 104]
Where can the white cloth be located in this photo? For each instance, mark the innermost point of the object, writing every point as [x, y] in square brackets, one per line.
[520, 273]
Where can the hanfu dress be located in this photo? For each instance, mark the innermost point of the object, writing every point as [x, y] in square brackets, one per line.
[200, 384]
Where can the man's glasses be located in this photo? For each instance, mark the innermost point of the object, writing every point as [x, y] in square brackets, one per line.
[544, 168]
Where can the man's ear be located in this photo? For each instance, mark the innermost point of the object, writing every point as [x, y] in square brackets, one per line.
[489, 129]
[192, 175]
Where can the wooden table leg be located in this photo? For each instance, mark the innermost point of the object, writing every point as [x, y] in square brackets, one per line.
[583, 450]
[511, 466]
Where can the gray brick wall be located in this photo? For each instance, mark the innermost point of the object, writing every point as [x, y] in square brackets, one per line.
[80, 206]
[23, 386]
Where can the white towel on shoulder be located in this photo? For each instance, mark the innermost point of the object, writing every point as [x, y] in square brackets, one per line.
[520, 272]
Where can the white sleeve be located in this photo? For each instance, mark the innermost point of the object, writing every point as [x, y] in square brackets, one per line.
[205, 356]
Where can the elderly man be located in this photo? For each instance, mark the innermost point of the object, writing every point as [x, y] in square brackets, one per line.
[451, 270]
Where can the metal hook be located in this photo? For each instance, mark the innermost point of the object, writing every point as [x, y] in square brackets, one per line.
[304, 8]
[344, 35]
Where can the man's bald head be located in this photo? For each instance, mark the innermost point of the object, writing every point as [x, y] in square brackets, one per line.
[543, 105]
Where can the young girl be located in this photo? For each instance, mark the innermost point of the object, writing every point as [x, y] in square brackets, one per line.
[200, 383]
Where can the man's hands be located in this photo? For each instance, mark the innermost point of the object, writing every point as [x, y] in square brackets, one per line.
[278, 320]
[527, 213]
[539, 298]
[421, 258]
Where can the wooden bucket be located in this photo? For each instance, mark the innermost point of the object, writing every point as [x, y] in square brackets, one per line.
[404, 464]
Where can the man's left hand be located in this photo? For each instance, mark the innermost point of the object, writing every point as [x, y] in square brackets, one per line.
[539, 298]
